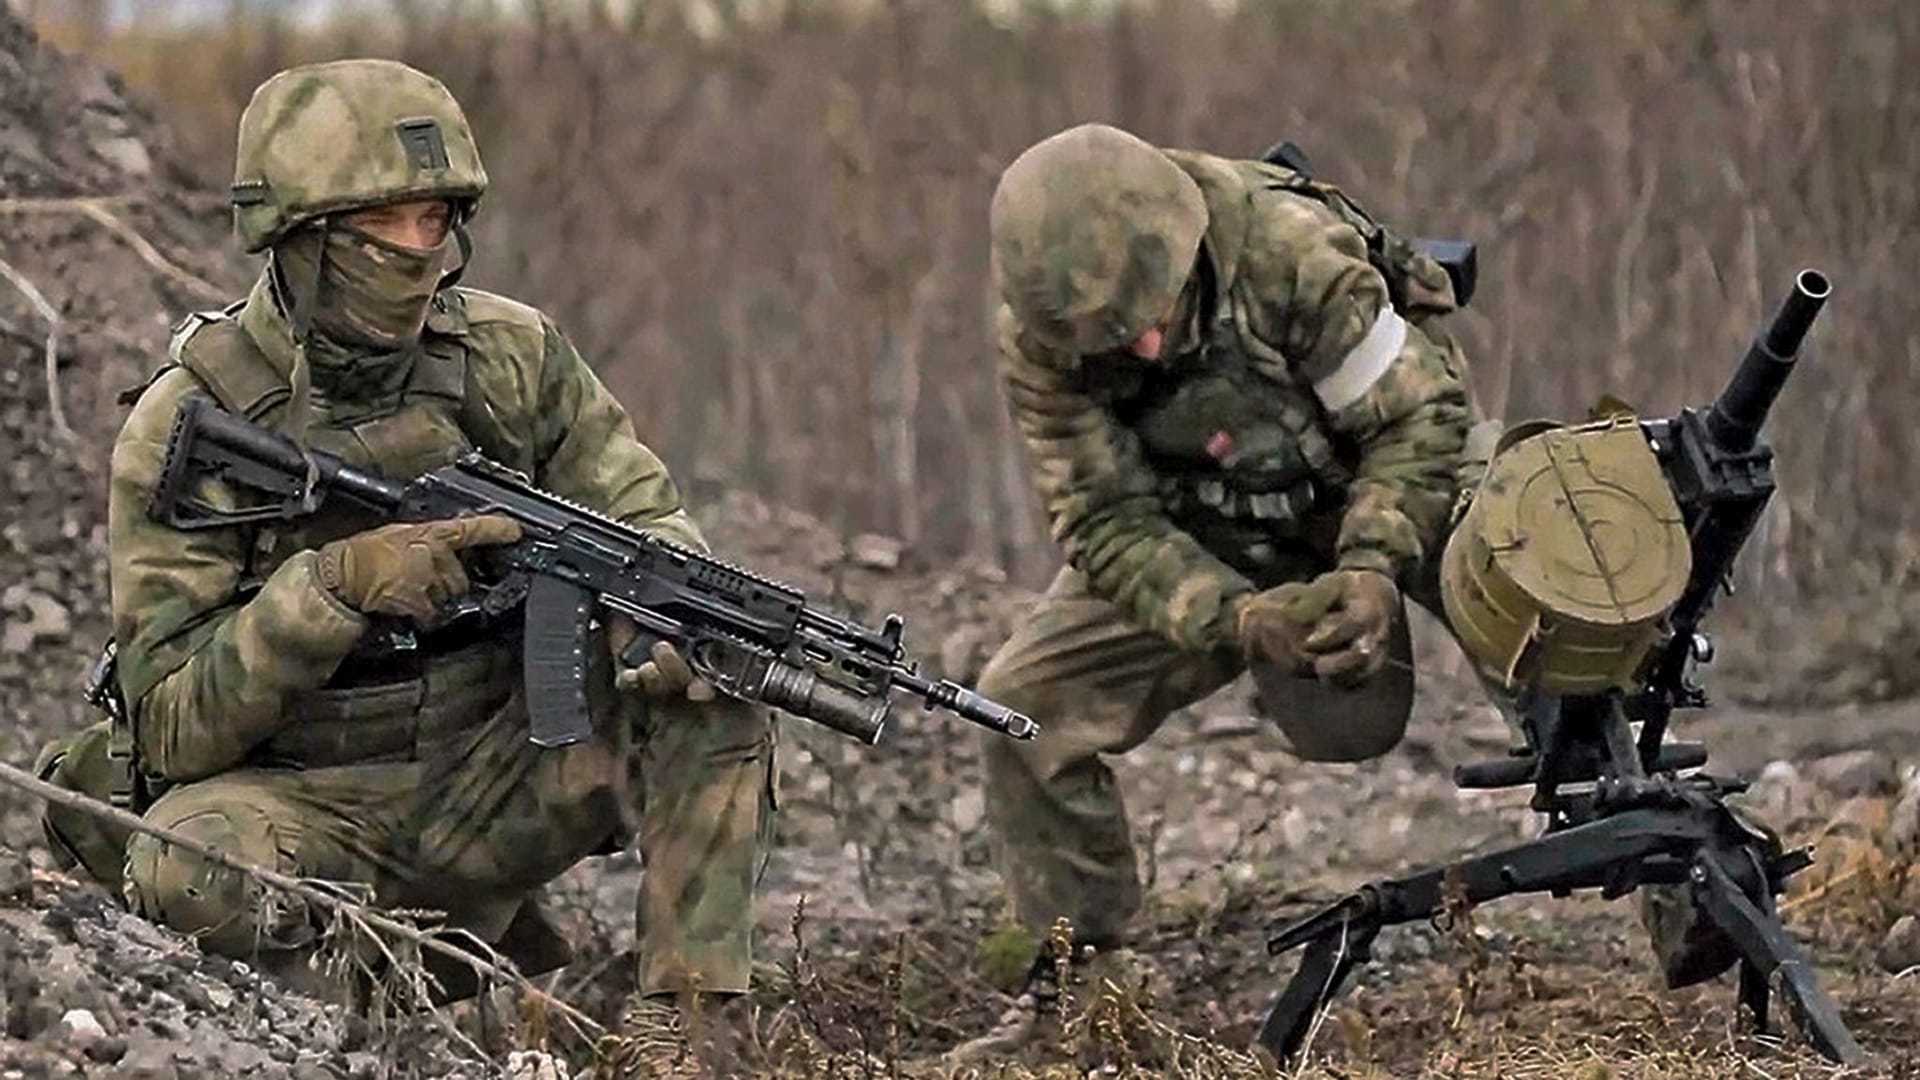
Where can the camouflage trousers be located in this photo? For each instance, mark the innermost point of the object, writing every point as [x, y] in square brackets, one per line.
[425, 793]
[1099, 683]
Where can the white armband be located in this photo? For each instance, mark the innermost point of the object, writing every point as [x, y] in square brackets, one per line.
[1363, 366]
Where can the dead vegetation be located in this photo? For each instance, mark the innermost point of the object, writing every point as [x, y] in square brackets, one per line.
[787, 206]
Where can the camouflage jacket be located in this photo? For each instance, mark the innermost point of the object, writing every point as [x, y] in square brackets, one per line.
[212, 667]
[1295, 346]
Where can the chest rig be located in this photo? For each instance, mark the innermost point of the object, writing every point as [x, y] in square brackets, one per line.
[1243, 462]
[416, 416]
[1246, 460]
[412, 422]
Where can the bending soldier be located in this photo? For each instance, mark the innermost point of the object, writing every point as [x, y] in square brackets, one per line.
[1249, 435]
[286, 705]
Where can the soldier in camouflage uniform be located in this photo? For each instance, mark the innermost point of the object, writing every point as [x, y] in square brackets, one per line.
[1249, 434]
[270, 707]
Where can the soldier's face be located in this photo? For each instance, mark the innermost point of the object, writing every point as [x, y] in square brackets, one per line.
[1149, 345]
[421, 224]
[1152, 341]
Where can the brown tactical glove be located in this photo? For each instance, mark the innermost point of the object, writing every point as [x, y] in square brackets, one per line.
[1333, 627]
[408, 569]
[665, 677]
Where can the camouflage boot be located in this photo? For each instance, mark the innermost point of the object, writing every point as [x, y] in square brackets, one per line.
[1032, 1023]
[652, 1043]
[1689, 946]
[1036, 1023]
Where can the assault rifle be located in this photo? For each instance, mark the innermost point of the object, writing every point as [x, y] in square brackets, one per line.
[750, 637]
[1619, 811]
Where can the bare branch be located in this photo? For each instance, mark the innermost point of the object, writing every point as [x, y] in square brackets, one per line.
[47, 312]
[366, 914]
[97, 209]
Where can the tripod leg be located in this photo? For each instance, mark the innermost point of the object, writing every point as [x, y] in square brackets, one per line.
[1770, 955]
[1324, 967]
[1754, 994]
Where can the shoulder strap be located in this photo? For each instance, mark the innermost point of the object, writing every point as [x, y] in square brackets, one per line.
[218, 350]
[177, 352]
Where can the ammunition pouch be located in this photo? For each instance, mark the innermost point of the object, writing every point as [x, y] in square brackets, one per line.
[417, 706]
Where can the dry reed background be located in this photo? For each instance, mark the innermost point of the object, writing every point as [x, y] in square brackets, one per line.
[768, 228]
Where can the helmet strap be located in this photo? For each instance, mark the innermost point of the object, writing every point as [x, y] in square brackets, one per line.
[464, 241]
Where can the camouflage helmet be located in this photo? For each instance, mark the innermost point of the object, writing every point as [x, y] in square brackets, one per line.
[1094, 233]
[351, 133]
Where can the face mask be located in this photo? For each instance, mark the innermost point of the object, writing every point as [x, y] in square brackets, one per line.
[372, 294]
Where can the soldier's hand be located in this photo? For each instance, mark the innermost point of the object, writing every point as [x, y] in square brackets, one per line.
[1349, 643]
[1334, 627]
[409, 569]
[664, 676]
[1273, 625]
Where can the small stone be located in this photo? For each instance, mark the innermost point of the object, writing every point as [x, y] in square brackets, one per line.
[106, 1051]
[969, 809]
[1903, 824]
[535, 1065]
[32, 617]
[1901, 949]
[81, 1028]
[16, 874]
[126, 154]
[1782, 796]
[875, 552]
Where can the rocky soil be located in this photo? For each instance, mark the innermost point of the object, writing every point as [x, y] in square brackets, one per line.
[883, 925]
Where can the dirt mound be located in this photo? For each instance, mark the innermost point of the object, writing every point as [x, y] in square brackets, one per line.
[99, 244]
[85, 987]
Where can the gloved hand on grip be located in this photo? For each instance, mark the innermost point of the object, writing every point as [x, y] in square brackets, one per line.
[1334, 627]
[410, 569]
[665, 676]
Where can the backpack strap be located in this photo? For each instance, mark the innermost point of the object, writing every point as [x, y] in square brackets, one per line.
[1425, 278]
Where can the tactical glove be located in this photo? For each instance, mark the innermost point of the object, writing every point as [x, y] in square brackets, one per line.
[664, 677]
[408, 569]
[1333, 627]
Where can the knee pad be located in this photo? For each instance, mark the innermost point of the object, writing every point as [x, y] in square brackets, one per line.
[81, 763]
[227, 911]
